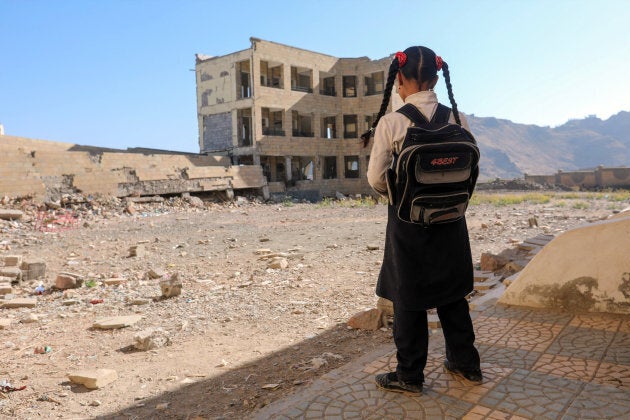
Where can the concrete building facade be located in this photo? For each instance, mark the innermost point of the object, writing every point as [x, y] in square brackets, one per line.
[296, 113]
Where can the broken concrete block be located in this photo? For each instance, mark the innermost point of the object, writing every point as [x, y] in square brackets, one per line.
[14, 273]
[7, 214]
[93, 379]
[372, 319]
[171, 286]
[33, 269]
[64, 281]
[20, 303]
[12, 260]
[5, 288]
[151, 338]
[137, 251]
[114, 322]
[278, 263]
[29, 318]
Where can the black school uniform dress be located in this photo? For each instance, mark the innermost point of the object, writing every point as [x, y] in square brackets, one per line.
[425, 268]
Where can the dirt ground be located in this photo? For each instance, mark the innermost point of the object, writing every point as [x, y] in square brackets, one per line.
[241, 334]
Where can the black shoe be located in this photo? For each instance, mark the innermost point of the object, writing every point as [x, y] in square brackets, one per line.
[473, 375]
[390, 382]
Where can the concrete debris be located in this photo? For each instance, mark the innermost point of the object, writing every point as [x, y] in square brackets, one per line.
[137, 251]
[171, 286]
[93, 379]
[5, 323]
[115, 322]
[8, 214]
[151, 338]
[19, 303]
[5, 288]
[12, 260]
[14, 273]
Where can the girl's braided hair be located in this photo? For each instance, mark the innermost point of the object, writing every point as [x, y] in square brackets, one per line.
[418, 63]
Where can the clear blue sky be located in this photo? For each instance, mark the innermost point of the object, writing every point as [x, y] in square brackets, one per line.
[116, 73]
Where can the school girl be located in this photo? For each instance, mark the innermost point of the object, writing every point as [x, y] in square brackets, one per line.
[422, 267]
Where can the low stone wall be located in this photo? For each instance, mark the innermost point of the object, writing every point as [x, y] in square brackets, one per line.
[599, 178]
[45, 169]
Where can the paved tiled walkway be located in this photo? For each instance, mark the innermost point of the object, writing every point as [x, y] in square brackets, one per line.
[537, 365]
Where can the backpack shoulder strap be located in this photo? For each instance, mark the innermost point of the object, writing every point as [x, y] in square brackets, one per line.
[411, 112]
[441, 115]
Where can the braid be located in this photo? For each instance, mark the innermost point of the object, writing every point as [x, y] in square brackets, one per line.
[449, 87]
[391, 77]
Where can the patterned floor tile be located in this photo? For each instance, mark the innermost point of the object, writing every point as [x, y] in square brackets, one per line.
[365, 401]
[438, 379]
[532, 395]
[596, 321]
[480, 412]
[489, 329]
[617, 376]
[600, 402]
[529, 336]
[567, 367]
[508, 357]
[582, 343]
[619, 350]
[548, 317]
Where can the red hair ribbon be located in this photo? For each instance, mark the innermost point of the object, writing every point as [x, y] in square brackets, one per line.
[438, 62]
[402, 58]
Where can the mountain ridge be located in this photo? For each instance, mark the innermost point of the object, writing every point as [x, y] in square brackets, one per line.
[510, 150]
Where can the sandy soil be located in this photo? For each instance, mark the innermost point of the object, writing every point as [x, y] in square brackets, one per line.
[241, 334]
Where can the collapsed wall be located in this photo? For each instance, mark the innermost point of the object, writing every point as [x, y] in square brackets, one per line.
[584, 269]
[45, 169]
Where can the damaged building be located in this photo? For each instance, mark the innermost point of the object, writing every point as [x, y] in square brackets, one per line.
[298, 114]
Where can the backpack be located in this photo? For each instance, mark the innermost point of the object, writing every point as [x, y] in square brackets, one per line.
[433, 177]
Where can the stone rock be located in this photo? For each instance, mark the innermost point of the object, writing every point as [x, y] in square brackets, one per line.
[278, 263]
[151, 338]
[339, 196]
[115, 281]
[8, 214]
[12, 260]
[155, 274]
[372, 319]
[5, 323]
[33, 269]
[195, 201]
[171, 286]
[533, 222]
[385, 305]
[64, 281]
[372, 247]
[20, 303]
[137, 251]
[491, 262]
[94, 378]
[70, 302]
[29, 319]
[115, 322]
